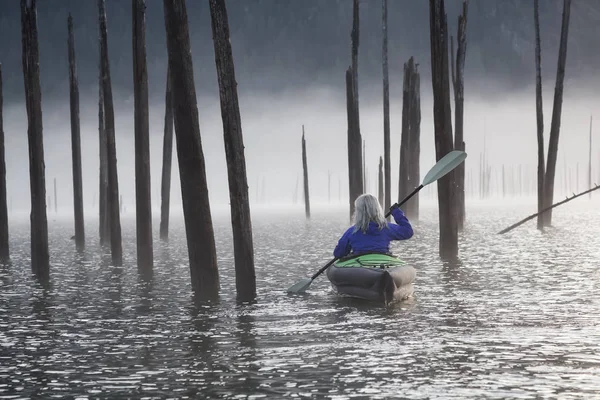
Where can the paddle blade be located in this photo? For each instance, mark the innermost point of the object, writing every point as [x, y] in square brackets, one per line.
[301, 286]
[445, 165]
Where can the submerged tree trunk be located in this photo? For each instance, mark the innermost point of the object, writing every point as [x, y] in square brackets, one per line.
[40, 259]
[192, 171]
[103, 182]
[354, 147]
[243, 248]
[75, 141]
[539, 116]
[381, 183]
[143, 203]
[386, 112]
[111, 151]
[410, 139]
[165, 186]
[459, 100]
[305, 169]
[590, 158]
[443, 127]
[556, 114]
[4, 247]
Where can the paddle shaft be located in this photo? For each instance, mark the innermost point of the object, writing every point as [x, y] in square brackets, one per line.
[319, 272]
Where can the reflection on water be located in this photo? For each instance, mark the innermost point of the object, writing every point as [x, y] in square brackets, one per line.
[516, 317]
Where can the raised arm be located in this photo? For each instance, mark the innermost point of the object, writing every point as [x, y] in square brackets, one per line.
[402, 229]
[343, 247]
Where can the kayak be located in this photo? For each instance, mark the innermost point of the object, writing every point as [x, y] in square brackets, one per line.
[375, 277]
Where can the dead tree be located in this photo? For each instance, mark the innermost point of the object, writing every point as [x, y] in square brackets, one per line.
[409, 176]
[459, 100]
[556, 114]
[4, 247]
[55, 198]
[590, 158]
[539, 116]
[103, 170]
[381, 182]
[386, 113]
[546, 209]
[448, 245]
[40, 259]
[354, 36]
[354, 147]
[143, 203]
[192, 170]
[111, 151]
[75, 141]
[243, 248]
[305, 169]
[165, 186]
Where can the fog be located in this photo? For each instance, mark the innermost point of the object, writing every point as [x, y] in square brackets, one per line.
[272, 126]
[273, 111]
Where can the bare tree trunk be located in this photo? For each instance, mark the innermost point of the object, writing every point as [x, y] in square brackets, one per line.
[458, 78]
[381, 183]
[192, 171]
[403, 188]
[556, 114]
[329, 186]
[546, 209]
[305, 169]
[245, 276]
[75, 141]
[4, 247]
[40, 259]
[539, 116]
[143, 203]
[111, 153]
[354, 145]
[590, 158]
[165, 187]
[386, 112]
[355, 35]
[414, 178]
[443, 128]
[103, 182]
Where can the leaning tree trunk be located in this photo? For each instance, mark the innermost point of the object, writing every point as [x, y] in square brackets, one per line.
[443, 127]
[75, 141]
[4, 248]
[143, 204]
[459, 100]
[192, 171]
[556, 114]
[40, 259]
[243, 249]
[111, 153]
[381, 183]
[539, 117]
[305, 169]
[165, 186]
[386, 112]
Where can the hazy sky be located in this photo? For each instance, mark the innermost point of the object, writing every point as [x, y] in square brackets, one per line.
[288, 77]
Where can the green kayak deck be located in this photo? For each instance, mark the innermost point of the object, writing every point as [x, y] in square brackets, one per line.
[370, 261]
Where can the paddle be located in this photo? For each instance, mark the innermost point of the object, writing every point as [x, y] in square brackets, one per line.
[441, 168]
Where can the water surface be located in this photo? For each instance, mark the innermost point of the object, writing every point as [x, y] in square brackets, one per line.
[517, 318]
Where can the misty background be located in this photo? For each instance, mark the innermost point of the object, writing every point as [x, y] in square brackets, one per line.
[290, 59]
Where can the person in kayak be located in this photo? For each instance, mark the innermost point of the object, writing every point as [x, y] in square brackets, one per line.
[371, 233]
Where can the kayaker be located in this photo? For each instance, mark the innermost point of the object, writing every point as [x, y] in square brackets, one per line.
[371, 233]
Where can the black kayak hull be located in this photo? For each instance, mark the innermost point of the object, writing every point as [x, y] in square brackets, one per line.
[383, 283]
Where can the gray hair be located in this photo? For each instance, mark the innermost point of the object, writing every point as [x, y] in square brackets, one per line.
[367, 209]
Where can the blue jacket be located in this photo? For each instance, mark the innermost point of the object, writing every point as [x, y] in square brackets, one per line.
[375, 240]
